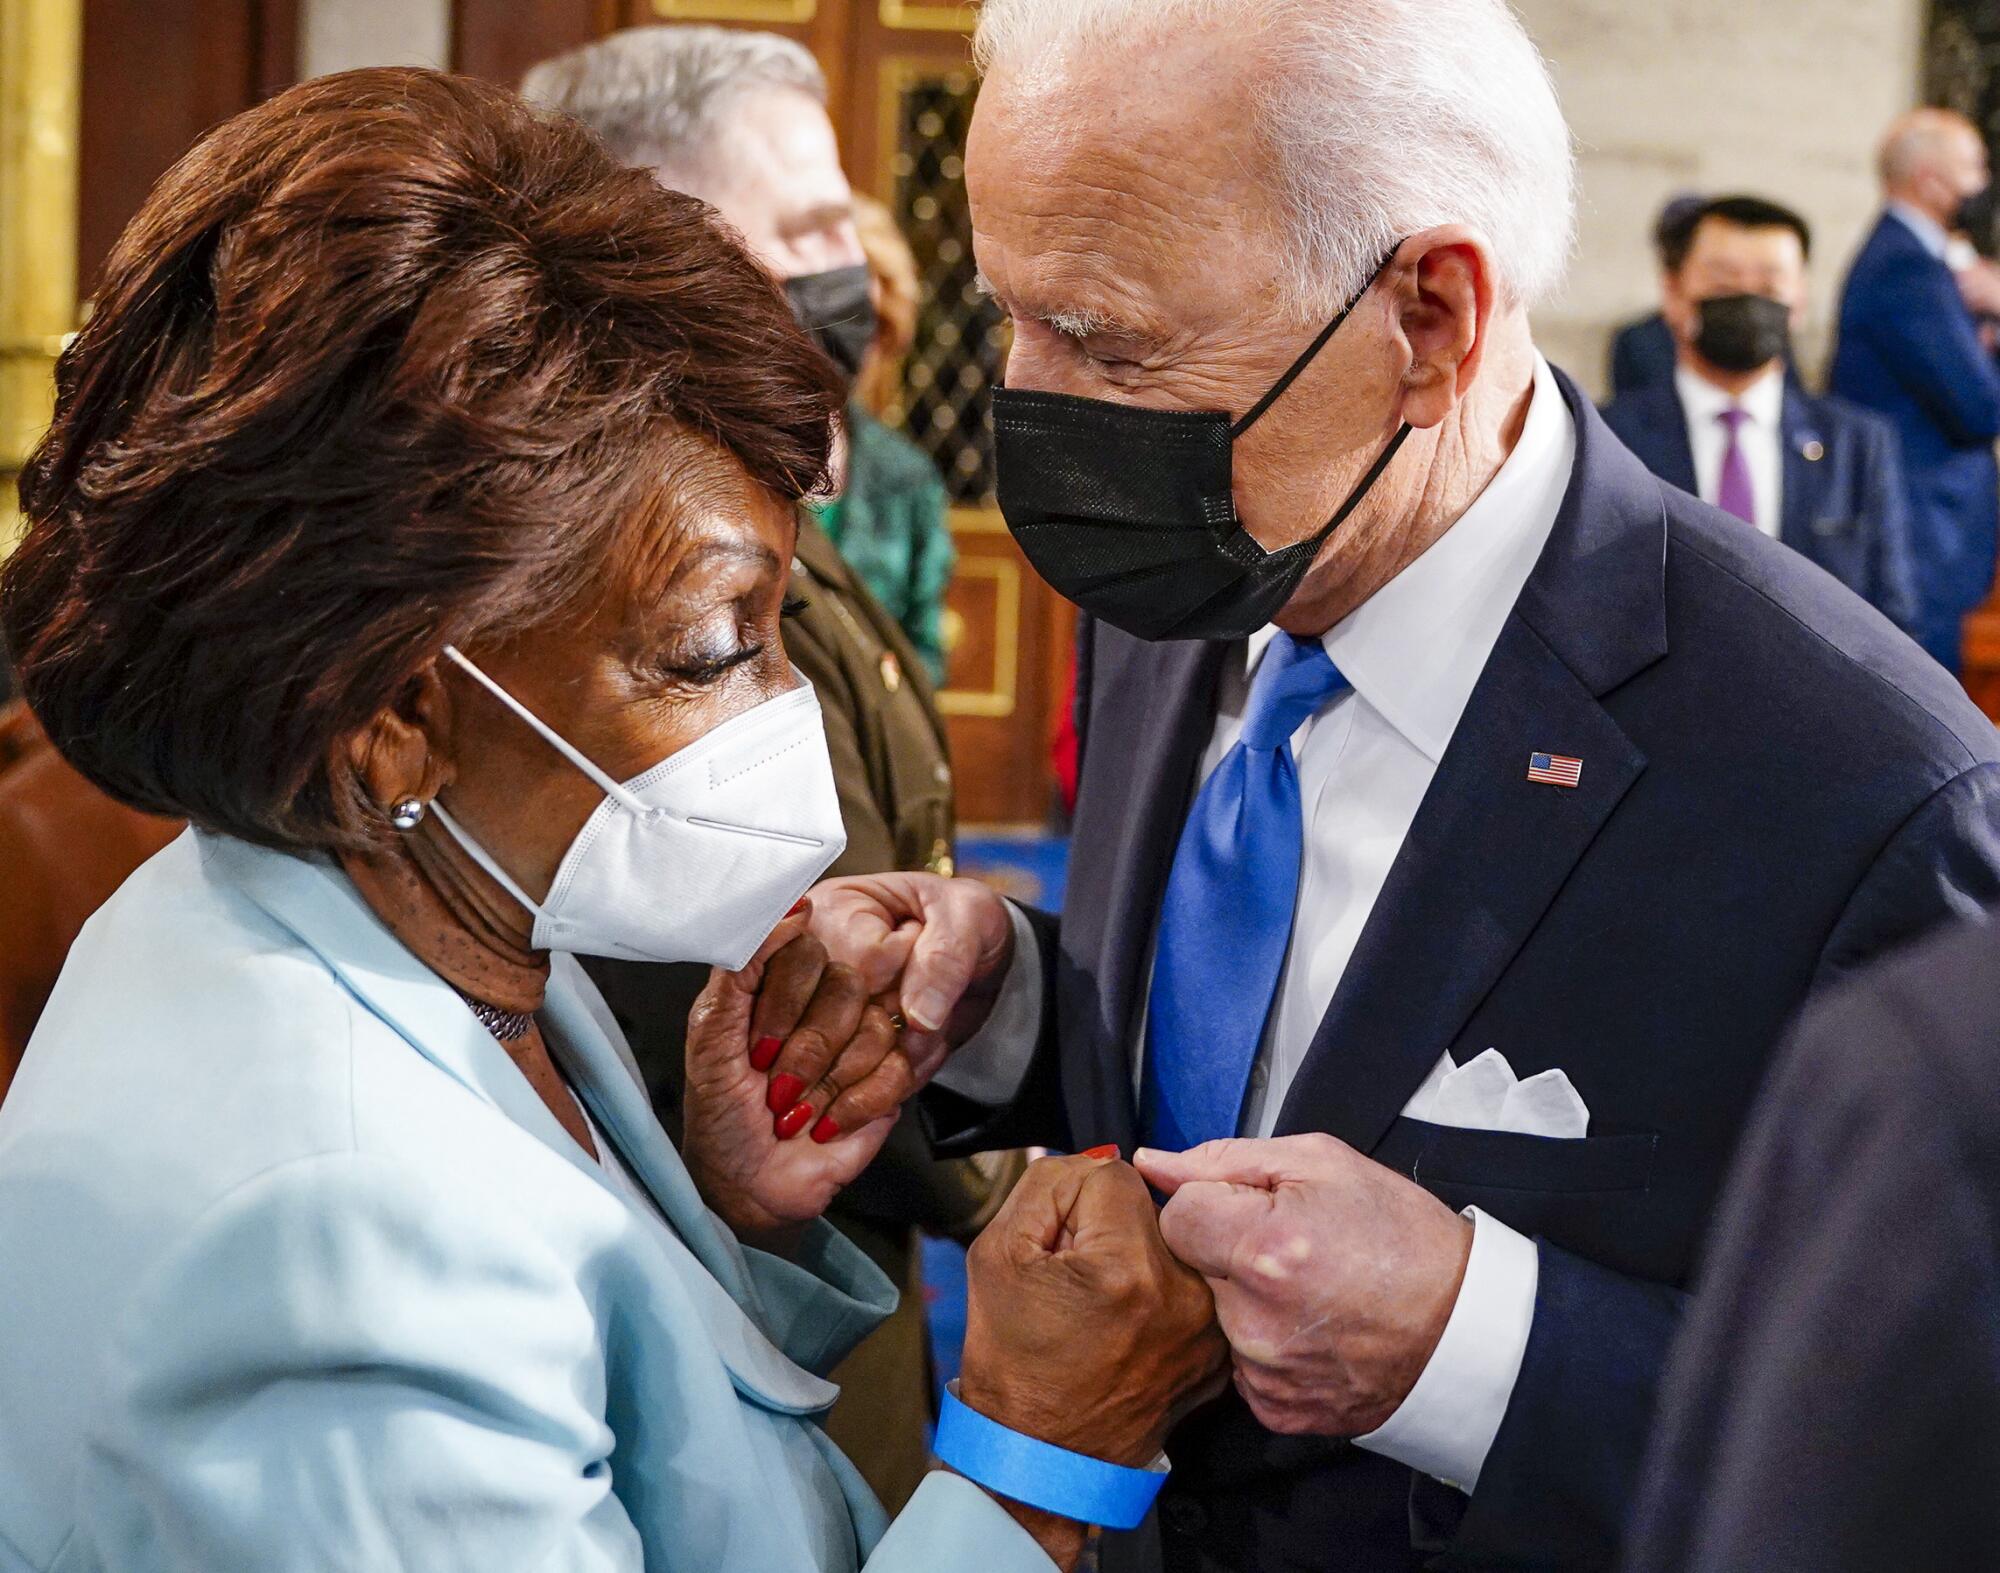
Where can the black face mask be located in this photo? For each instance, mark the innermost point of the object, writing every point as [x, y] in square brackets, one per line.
[1742, 332]
[837, 310]
[1974, 216]
[1129, 512]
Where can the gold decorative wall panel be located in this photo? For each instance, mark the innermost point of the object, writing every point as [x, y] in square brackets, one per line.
[1000, 690]
[736, 10]
[930, 17]
[41, 54]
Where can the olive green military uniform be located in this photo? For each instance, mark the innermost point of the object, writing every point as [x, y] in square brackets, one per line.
[894, 777]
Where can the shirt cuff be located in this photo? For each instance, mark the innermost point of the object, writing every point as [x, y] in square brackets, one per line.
[989, 1067]
[1446, 1424]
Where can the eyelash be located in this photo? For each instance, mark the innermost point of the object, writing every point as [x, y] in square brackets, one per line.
[712, 671]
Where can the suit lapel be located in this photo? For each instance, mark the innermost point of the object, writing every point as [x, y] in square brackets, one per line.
[586, 1042]
[1489, 849]
[1676, 454]
[1485, 856]
[1153, 712]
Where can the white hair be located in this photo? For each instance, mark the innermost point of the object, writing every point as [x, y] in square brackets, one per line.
[650, 93]
[1385, 117]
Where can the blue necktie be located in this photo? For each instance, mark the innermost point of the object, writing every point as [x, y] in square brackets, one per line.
[1227, 918]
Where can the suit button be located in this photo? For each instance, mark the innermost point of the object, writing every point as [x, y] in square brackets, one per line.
[1183, 1516]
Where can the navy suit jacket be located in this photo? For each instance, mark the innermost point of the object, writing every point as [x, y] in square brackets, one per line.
[1909, 348]
[1844, 506]
[1776, 784]
[1643, 354]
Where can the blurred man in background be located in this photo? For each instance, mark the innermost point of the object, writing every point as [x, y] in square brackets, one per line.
[1642, 351]
[1735, 429]
[1911, 346]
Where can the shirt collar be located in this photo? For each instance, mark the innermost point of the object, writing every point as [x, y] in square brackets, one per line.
[1415, 648]
[1763, 401]
[1931, 235]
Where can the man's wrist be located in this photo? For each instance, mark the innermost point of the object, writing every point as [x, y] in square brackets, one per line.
[1446, 1424]
[990, 1065]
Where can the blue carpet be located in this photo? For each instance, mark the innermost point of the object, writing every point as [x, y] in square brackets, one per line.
[1030, 869]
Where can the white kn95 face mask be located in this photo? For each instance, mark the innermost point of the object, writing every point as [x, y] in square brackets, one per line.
[697, 858]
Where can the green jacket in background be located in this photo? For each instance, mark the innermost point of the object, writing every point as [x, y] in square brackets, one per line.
[893, 527]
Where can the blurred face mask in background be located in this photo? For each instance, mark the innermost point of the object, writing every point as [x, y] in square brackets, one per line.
[1742, 332]
[697, 858]
[838, 310]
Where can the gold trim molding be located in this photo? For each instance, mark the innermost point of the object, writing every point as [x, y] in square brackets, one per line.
[929, 18]
[1000, 697]
[736, 10]
[41, 64]
[968, 520]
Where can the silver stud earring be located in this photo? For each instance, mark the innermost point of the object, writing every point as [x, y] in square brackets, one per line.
[408, 813]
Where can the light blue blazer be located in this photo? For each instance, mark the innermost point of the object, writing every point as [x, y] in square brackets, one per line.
[297, 1272]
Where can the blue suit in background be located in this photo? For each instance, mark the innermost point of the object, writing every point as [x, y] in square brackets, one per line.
[1642, 355]
[1844, 495]
[1909, 348]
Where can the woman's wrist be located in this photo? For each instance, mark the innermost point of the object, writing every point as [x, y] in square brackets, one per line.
[1061, 1539]
[1046, 1415]
[753, 1225]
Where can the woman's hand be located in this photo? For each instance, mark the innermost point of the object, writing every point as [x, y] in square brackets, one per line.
[1081, 1328]
[766, 1164]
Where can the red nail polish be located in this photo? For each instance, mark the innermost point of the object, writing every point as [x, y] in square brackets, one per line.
[792, 1121]
[784, 1092]
[766, 1050]
[799, 906]
[826, 1130]
[1108, 1150]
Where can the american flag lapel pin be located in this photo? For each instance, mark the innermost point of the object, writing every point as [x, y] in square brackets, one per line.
[1555, 769]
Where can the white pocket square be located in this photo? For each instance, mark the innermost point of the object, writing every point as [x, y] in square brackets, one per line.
[1483, 1095]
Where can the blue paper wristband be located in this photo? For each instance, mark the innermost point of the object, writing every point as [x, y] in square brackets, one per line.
[1041, 1474]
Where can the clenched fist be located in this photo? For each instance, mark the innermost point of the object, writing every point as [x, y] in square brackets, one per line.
[1333, 1276]
[1082, 1329]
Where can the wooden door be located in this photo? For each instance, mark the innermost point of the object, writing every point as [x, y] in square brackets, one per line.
[902, 90]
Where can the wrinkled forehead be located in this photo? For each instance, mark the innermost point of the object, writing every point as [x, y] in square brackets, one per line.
[1122, 173]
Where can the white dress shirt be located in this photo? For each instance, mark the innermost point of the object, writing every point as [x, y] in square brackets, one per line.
[1413, 653]
[1760, 437]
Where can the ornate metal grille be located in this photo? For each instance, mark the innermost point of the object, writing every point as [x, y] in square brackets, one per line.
[1962, 72]
[961, 337]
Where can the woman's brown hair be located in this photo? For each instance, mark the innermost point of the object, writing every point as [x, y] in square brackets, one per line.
[384, 362]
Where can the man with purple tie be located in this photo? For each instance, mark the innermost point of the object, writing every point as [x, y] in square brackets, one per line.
[1734, 426]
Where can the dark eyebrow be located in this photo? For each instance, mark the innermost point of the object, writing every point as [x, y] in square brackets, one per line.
[731, 548]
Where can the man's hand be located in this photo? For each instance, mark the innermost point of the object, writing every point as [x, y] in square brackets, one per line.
[943, 946]
[1081, 1328]
[1333, 1276]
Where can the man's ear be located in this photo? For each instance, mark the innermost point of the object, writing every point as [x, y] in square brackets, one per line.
[1445, 304]
[405, 750]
